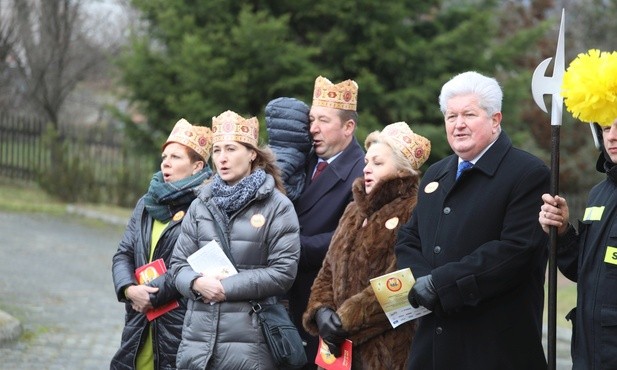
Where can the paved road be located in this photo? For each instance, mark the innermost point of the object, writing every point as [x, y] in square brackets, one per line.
[55, 278]
[563, 361]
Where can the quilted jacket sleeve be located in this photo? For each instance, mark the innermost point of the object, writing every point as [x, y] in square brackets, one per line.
[287, 123]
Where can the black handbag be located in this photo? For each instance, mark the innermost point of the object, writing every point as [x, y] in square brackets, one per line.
[281, 335]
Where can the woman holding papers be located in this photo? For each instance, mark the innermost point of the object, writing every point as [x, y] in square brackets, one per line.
[149, 238]
[342, 304]
[245, 211]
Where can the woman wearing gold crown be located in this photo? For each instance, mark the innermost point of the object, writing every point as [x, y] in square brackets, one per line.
[150, 235]
[342, 304]
[587, 254]
[245, 210]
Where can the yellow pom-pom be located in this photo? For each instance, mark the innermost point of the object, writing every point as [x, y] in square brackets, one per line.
[589, 87]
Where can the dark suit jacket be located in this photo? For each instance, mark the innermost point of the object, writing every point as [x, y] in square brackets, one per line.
[480, 239]
[319, 210]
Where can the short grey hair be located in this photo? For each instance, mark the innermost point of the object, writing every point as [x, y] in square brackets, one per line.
[487, 90]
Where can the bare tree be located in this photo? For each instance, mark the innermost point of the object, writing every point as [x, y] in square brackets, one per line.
[591, 25]
[7, 45]
[53, 45]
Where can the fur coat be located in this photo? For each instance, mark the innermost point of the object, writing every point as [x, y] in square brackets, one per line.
[362, 248]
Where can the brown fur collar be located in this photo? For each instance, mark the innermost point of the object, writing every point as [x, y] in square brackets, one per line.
[383, 193]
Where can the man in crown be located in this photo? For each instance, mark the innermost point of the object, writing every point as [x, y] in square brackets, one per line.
[334, 162]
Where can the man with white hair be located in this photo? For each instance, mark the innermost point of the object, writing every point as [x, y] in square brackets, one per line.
[474, 244]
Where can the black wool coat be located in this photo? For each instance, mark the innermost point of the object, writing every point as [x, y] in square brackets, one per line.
[480, 239]
[134, 251]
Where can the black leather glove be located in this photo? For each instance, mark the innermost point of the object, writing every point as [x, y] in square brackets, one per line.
[330, 329]
[423, 293]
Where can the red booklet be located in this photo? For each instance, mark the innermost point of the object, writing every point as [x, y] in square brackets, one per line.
[146, 274]
[327, 361]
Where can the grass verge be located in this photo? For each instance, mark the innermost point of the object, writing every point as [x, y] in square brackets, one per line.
[566, 300]
[25, 197]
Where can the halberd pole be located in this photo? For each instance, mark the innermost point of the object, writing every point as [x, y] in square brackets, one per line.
[551, 85]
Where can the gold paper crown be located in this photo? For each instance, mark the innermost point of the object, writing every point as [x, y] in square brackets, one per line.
[343, 95]
[589, 87]
[198, 138]
[415, 148]
[230, 126]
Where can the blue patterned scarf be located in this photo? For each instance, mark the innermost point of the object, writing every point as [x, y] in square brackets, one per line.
[164, 199]
[231, 198]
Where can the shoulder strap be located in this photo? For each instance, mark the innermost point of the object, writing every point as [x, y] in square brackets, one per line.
[256, 306]
[222, 239]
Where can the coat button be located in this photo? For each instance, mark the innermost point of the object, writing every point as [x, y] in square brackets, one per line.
[447, 210]
[438, 330]
[437, 249]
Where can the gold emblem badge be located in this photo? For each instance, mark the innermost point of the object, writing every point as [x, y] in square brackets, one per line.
[148, 275]
[258, 220]
[431, 187]
[324, 352]
[178, 216]
[392, 223]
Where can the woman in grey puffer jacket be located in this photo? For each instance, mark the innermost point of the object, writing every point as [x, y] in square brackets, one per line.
[261, 231]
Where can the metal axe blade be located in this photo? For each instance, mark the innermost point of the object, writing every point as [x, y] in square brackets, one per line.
[542, 85]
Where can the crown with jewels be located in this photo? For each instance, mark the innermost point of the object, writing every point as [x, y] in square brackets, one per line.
[198, 138]
[230, 126]
[415, 148]
[343, 95]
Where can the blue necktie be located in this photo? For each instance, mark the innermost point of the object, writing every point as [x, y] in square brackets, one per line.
[463, 166]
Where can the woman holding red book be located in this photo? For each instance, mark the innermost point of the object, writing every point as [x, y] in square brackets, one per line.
[151, 334]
